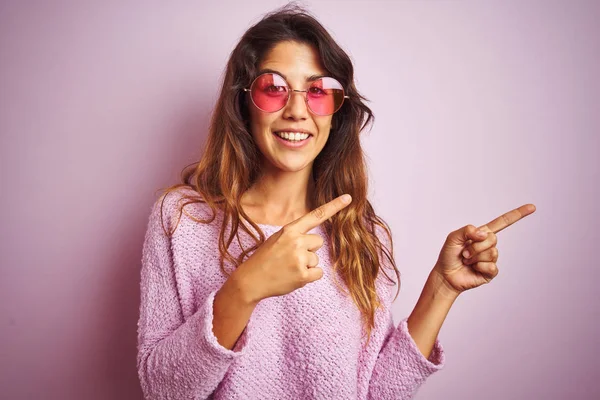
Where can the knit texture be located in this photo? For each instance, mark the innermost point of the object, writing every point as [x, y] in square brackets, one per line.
[303, 345]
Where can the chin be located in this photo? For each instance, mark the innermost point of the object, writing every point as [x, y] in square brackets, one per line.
[290, 166]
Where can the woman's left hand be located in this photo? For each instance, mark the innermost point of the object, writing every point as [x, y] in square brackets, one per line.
[463, 272]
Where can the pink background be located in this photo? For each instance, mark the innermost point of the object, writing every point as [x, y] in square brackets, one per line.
[481, 107]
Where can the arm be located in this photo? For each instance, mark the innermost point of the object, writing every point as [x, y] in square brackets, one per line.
[401, 366]
[402, 363]
[177, 357]
[232, 311]
[426, 319]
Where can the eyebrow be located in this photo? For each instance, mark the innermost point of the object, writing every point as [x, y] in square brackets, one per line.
[311, 78]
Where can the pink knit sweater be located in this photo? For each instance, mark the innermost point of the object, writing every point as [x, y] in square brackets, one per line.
[303, 345]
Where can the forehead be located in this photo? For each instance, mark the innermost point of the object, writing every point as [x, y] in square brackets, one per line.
[296, 61]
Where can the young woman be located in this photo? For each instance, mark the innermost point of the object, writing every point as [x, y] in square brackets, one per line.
[261, 278]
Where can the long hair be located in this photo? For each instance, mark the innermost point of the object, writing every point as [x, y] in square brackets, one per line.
[231, 160]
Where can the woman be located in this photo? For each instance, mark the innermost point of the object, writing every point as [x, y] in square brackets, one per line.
[294, 303]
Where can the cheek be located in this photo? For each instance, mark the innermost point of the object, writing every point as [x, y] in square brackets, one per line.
[324, 126]
[259, 121]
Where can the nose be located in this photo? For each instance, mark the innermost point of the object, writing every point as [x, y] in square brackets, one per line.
[296, 108]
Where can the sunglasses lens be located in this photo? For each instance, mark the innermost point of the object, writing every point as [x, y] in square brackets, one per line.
[269, 92]
[325, 96]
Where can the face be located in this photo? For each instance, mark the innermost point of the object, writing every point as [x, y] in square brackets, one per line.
[295, 62]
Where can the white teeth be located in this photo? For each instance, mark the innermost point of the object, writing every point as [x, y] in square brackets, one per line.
[292, 136]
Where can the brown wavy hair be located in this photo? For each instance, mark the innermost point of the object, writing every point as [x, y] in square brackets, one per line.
[231, 160]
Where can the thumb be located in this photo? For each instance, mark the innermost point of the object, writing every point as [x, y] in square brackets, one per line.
[314, 274]
[464, 234]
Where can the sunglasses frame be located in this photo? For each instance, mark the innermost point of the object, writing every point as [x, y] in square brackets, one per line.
[295, 90]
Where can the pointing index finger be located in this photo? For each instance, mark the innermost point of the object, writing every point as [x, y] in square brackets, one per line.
[509, 218]
[320, 214]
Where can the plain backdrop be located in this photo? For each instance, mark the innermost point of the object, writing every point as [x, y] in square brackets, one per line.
[481, 107]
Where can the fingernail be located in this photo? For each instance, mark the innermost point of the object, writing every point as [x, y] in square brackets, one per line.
[466, 254]
[481, 234]
[346, 198]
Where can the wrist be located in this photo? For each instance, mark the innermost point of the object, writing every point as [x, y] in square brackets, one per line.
[440, 286]
[238, 285]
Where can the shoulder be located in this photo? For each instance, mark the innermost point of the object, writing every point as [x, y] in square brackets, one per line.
[177, 206]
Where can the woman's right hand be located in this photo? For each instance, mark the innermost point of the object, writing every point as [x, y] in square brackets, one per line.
[286, 260]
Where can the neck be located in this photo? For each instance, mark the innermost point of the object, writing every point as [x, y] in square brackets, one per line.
[279, 197]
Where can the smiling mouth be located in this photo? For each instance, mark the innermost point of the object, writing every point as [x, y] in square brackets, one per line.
[293, 136]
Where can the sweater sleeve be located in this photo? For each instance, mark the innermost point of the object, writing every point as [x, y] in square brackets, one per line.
[400, 368]
[177, 358]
